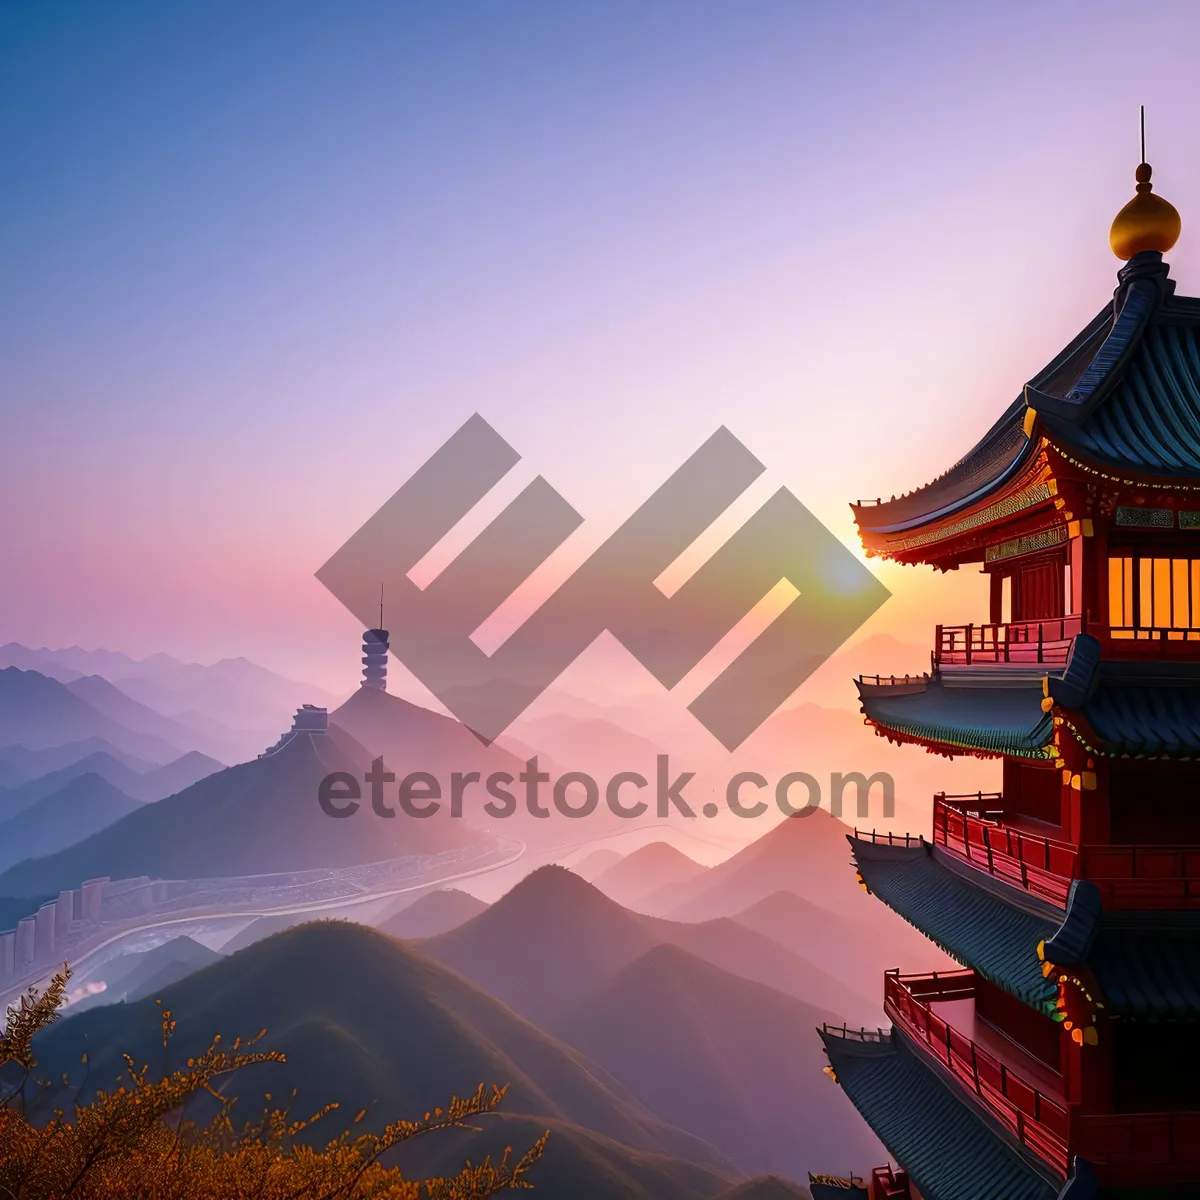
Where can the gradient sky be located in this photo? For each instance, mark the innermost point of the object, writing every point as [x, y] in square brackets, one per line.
[258, 261]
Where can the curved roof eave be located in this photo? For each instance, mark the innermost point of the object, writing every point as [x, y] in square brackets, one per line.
[998, 454]
[977, 719]
[1023, 454]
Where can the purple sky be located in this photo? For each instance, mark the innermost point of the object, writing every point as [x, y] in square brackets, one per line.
[258, 261]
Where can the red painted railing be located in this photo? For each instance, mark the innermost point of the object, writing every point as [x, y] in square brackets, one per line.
[1040, 1123]
[1144, 876]
[885, 837]
[969, 826]
[1131, 1148]
[1129, 877]
[1046, 641]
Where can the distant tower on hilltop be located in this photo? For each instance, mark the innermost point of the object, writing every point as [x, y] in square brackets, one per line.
[375, 657]
[375, 653]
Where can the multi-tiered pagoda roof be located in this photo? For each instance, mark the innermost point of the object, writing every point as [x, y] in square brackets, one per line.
[1064, 1058]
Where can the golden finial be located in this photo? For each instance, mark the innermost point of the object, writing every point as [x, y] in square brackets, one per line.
[1147, 222]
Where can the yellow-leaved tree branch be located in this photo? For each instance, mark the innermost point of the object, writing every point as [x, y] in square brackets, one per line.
[137, 1143]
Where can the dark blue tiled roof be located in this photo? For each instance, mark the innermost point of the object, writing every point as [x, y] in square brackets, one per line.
[994, 720]
[1078, 681]
[1148, 966]
[1125, 393]
[958, 912]
[1151, 420]
[1074, 938]
[1144, 720]
[1133, 709]
[948, 1147]
[1152, 713]
[1139, 301]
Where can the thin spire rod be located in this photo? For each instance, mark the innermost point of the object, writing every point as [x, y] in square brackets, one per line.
[1143, 133]
[381, 606]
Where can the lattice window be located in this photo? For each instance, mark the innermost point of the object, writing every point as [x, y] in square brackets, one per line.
[1153, 597]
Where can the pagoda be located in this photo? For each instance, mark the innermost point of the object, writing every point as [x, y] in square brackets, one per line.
[1063, 1060]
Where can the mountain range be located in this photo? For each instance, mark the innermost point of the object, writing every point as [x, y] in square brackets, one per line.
[645, 871]
[234, 693]
[108, 699]
[596, 862]
[434, 913]
[856, 951]
[258, 817]
[594, 744]
[554, 939]
[142, 974]
[731, 1061]
[78, 809]
[383, 1027]
[38, 712]
[146, 784]
[671, 1043]
[658, 1020]
[807, 855]
[412, 738]
[796, 885]
[19, 764]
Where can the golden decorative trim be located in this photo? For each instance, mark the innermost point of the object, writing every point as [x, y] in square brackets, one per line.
[1029, 497]
[1138, 483]
[1046, 538]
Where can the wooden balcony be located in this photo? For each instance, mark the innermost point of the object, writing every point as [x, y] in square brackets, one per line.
[972, 828]
[976, 827]
[1040, 1121]
[937, 1011]
[1025, 643]
[1144, 877]
[1127, 1149]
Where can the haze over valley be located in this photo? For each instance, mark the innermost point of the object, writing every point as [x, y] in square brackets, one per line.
[647, 989]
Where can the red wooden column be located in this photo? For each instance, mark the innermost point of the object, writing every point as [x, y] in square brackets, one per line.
[1089, 818]
[1087, 549]
[1076, 557]
[1088, 1071]
[996, 597]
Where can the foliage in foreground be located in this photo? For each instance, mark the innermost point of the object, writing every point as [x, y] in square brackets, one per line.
[138, 1142]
